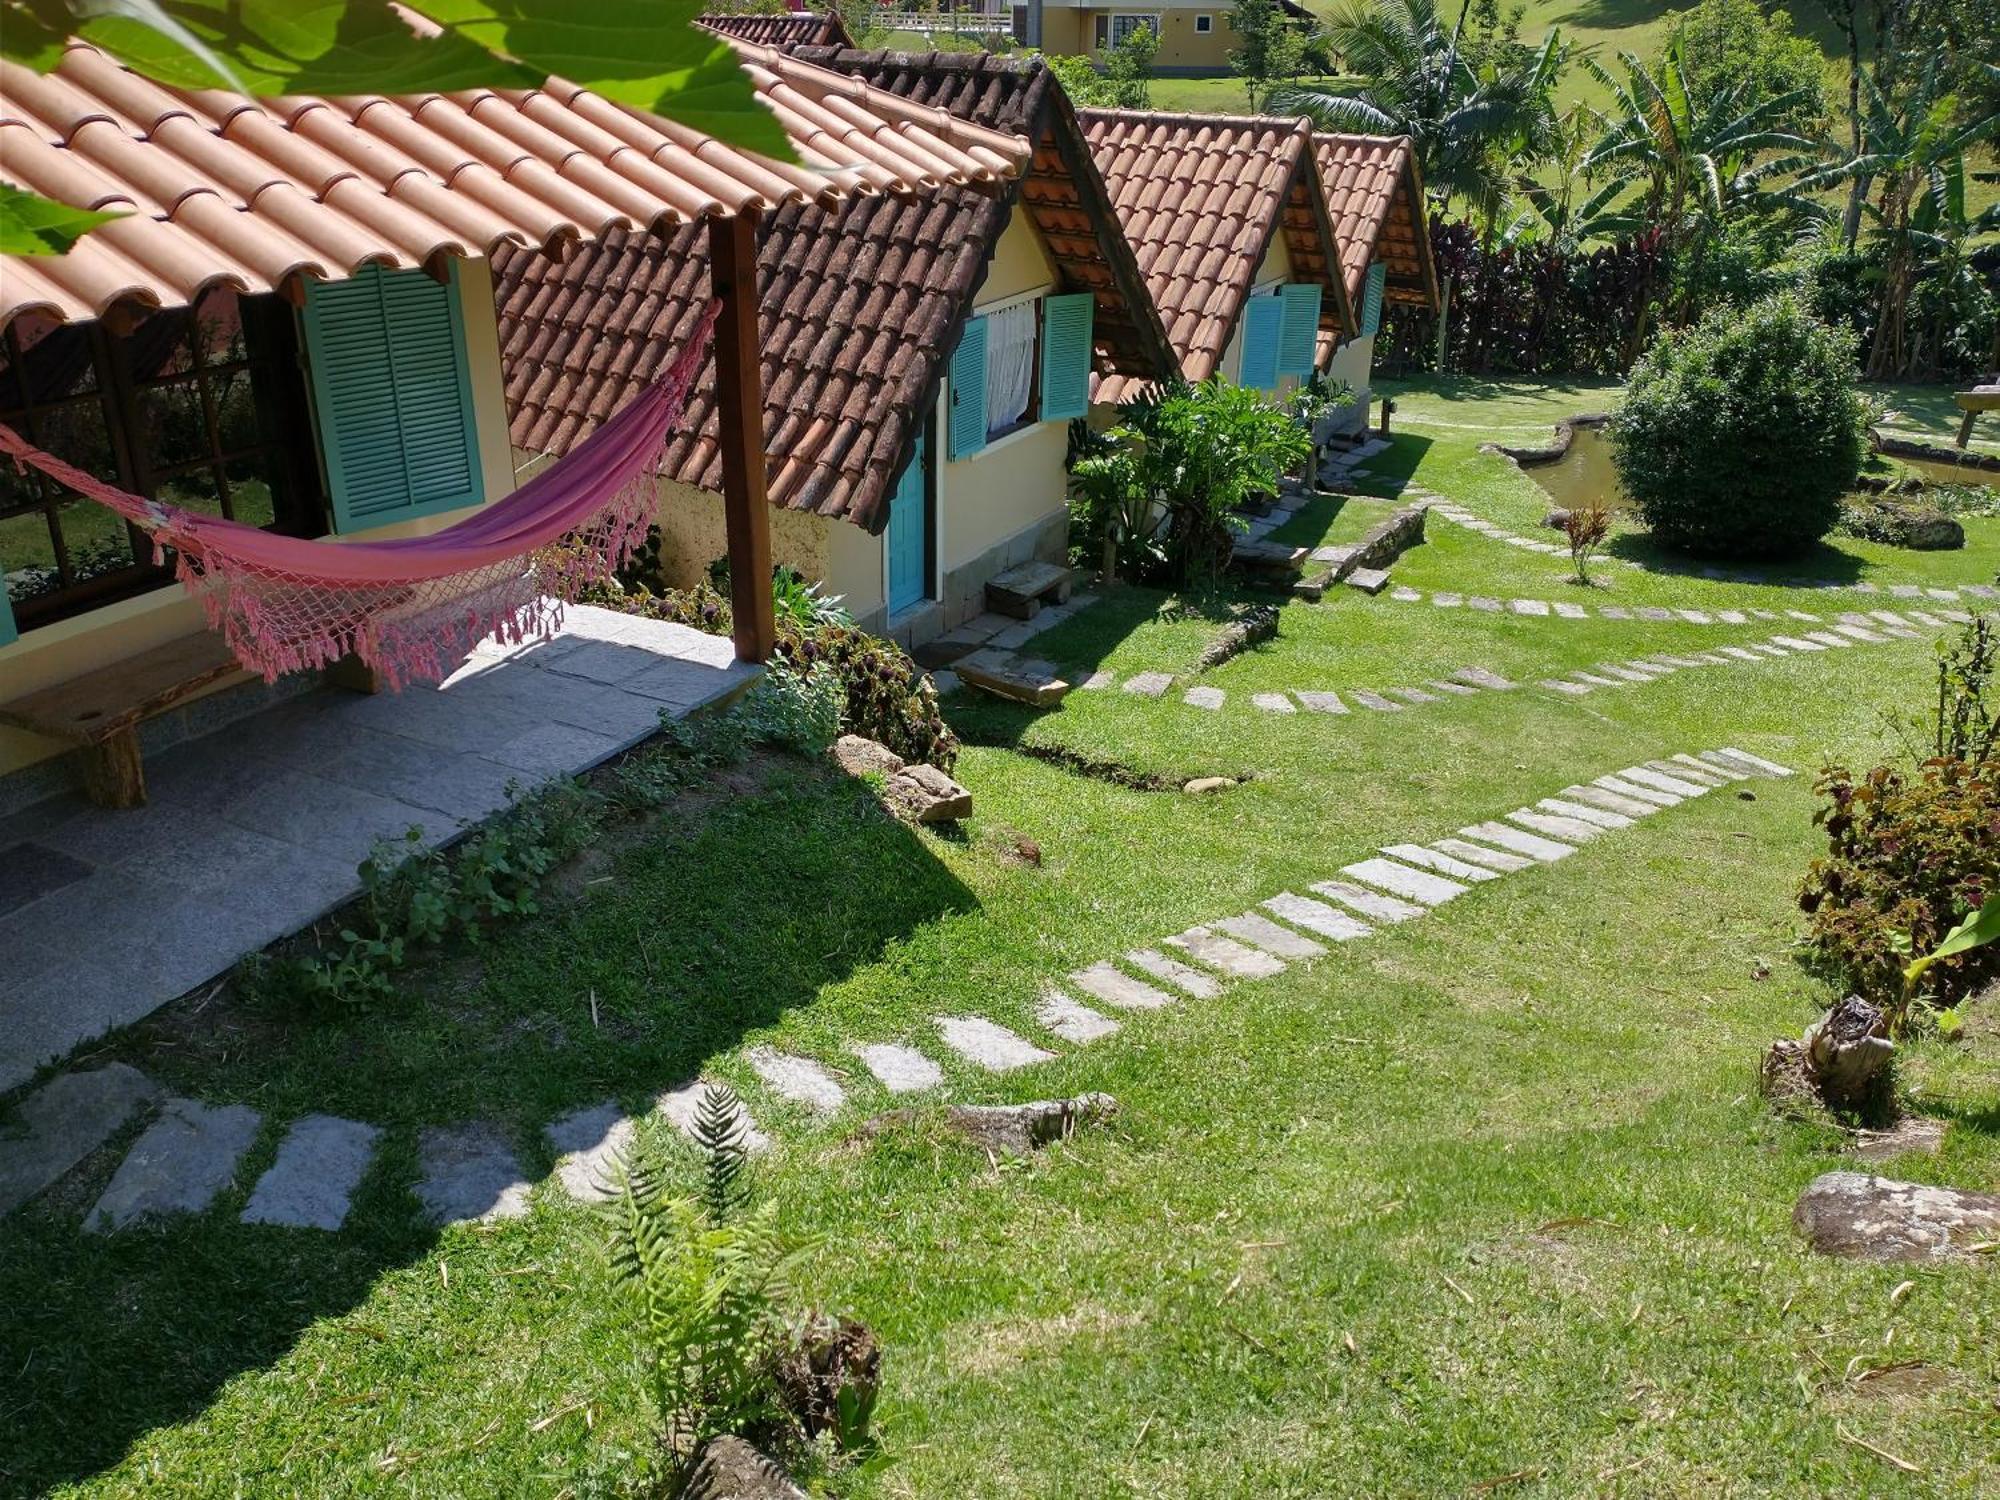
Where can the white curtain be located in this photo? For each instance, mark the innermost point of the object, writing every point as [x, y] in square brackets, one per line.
[1010, 365]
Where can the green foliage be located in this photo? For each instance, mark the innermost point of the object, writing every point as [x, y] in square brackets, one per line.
[1123, 83]
[722, 1137]
[888, 697]
[1112, 514]
[1202, 450]
[37, 226]
[1738, 438]
[797, 709]
[1968, 694]
[644, 53]
[1272, 50]
[1738, 47]
[1909, 851]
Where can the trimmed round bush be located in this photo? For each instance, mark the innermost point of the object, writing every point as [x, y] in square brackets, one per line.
[1738, 437]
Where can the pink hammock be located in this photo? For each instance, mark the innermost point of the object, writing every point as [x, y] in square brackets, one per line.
[412, 609]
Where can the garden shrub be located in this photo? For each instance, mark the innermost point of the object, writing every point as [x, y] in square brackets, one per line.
[1739, 437]
[889, 698]
[1911, 852]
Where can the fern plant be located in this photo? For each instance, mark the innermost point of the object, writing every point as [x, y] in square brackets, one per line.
[722, 1138]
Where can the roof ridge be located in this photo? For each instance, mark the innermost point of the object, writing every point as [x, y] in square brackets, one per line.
[1288, 124]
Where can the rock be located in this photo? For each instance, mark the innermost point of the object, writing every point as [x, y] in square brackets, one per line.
[1256, 624]
[1384, 542]
[924, 794]
[183, 1161]
[1201, 786]
[989, 1045]
[311, 1183]
[470, 1175]
[590, 1146]
[899, 1069]
[1015, 678]
[1863, 1217]
[1016, 1129]
[730, 1469]
[66, 1119]
[1370, 581]
[1556, 519]
[859, 756]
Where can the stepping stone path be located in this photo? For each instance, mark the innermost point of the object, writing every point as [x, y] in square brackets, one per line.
[318, 1167]
[469, 1172]
[185, 1159]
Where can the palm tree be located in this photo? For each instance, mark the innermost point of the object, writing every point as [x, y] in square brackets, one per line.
[1693, 156]
[1471, 126]
[1912, 157]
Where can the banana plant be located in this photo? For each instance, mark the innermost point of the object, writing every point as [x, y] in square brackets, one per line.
[1978, 929]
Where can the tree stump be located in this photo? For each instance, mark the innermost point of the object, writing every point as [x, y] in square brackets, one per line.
[1842, 1061]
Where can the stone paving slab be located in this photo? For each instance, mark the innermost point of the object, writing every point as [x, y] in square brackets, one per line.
[1097, 681]
[1637, 792]
[798, 1079]
[1483, 604]
[1317, 916]
[1571, 830]
[1374, 905]
[1583, 812]
[1596, 681]
[1744, 758]
[1573, 689]
[1183, 977]
[1113, 986]
[900, 1070]
[591, 1145]
[1597, 796]
[311, 1183]
[1696, 772]
[1659, 780]
[1570, 611]
[1226, 954]
[1528, 606]
[1260, 931]
[1623, 674]
[1320, 703]
[1375, 701]
[1415, 695]
[1518, 841]
[1483, 678]
[1828, 638]
[179, 1165]
[989, 1045]
[1149, 684]
[682, 1106]
[1210, 698]
[1422, 886]
[1455, 689]
[1497, 860]
[65, 1120]
[1439, 863]
[1071, 1020]
[1274, 703]
[1706, 768]
[470, 1175]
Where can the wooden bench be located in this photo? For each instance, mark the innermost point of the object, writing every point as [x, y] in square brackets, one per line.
[1980, 398]
[102, 711]
[1022, 591]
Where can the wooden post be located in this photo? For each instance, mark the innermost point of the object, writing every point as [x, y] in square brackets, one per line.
[739, 405]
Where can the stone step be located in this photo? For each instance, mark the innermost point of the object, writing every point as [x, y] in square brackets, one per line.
[1274, 703]
[1021, 591]
[1442, 864]
[1707, 768]
[1518, 841]
[1597, 796]
[1549, 825]
[899, 1069]
[1210, 698]
[590, 1146]
[1677, 785]
[1115, 987]
[470, 1175]
[65, 1120]
[1496, 860]
[989, 1045]
[1421, 886]
[1097, 681]
[1226, 955]
[1757, 763]
[1317, 916]
[1259, 931]
[1371, 904]
[1582, 812]
[1149, 684]
[1482, 678]
[1619, 786]
[1415, 695]
[1320, 703]
[311, 1183]
[1528, 606]
[179, 1165]
[1699, 774]
[1073, 1021]
[680, 1107]
[1375, 701]
[799, 1079]
[1183, 977]
[1455, 689]
[1015, 678]
[1573, 689]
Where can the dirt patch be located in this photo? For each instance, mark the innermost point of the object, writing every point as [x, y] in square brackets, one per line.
[996, 1347]
[1116, 772]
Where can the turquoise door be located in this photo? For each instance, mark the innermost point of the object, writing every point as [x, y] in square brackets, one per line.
[909, 535]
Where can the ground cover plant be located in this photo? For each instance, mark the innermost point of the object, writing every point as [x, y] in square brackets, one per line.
[1423, 1215]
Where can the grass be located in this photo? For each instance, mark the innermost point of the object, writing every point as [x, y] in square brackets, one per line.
[1487, 1200]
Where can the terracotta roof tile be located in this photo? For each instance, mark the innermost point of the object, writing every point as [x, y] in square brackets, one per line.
[1375, 198]
[1200, 198]
[798, 28]
[252, 193]
[859, 301]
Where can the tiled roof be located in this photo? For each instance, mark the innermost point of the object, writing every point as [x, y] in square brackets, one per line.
[859, 303]
[1200, 198]
[795, 28]
[254, 193]
[1374, 197]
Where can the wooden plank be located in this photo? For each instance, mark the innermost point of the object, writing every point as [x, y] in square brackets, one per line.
[114, 775]
[1011, 677]
[732, 256]
[91, 709]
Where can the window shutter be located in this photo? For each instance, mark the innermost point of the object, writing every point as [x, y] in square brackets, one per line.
[1066, 328]
[1298, 343]
[1371, 299]
[968, 390]
[393, 396]
[1263, 319]
[8, 634]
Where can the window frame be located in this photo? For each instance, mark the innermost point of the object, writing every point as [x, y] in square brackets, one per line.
[269, 360]
[1204, 24]
[1152, 19]
[1031, 414]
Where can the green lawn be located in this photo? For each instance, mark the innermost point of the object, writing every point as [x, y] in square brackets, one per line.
[1486, 1202]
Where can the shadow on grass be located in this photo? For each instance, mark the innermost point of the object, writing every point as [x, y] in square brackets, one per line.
[1820, 564]
[713, 918]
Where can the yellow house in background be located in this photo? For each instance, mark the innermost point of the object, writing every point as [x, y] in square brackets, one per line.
[1196, 36]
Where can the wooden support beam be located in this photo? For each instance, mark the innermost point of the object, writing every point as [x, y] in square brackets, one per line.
[739, 402]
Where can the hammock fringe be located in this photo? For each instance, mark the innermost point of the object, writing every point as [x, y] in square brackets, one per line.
[412, 609]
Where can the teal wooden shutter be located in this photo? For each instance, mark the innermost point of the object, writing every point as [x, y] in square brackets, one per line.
[1298, 340]
[1066, 329]
[1371, 299]
[1263, 320]
[393, 396]
[8, 634]
[968, 390]
[909, 535]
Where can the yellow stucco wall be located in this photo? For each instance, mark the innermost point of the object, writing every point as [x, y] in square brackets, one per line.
[85, 643]
[1274, 270]
[1181, 46]
[1352, 362]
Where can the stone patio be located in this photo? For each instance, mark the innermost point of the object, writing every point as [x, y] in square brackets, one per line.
[254, 831]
